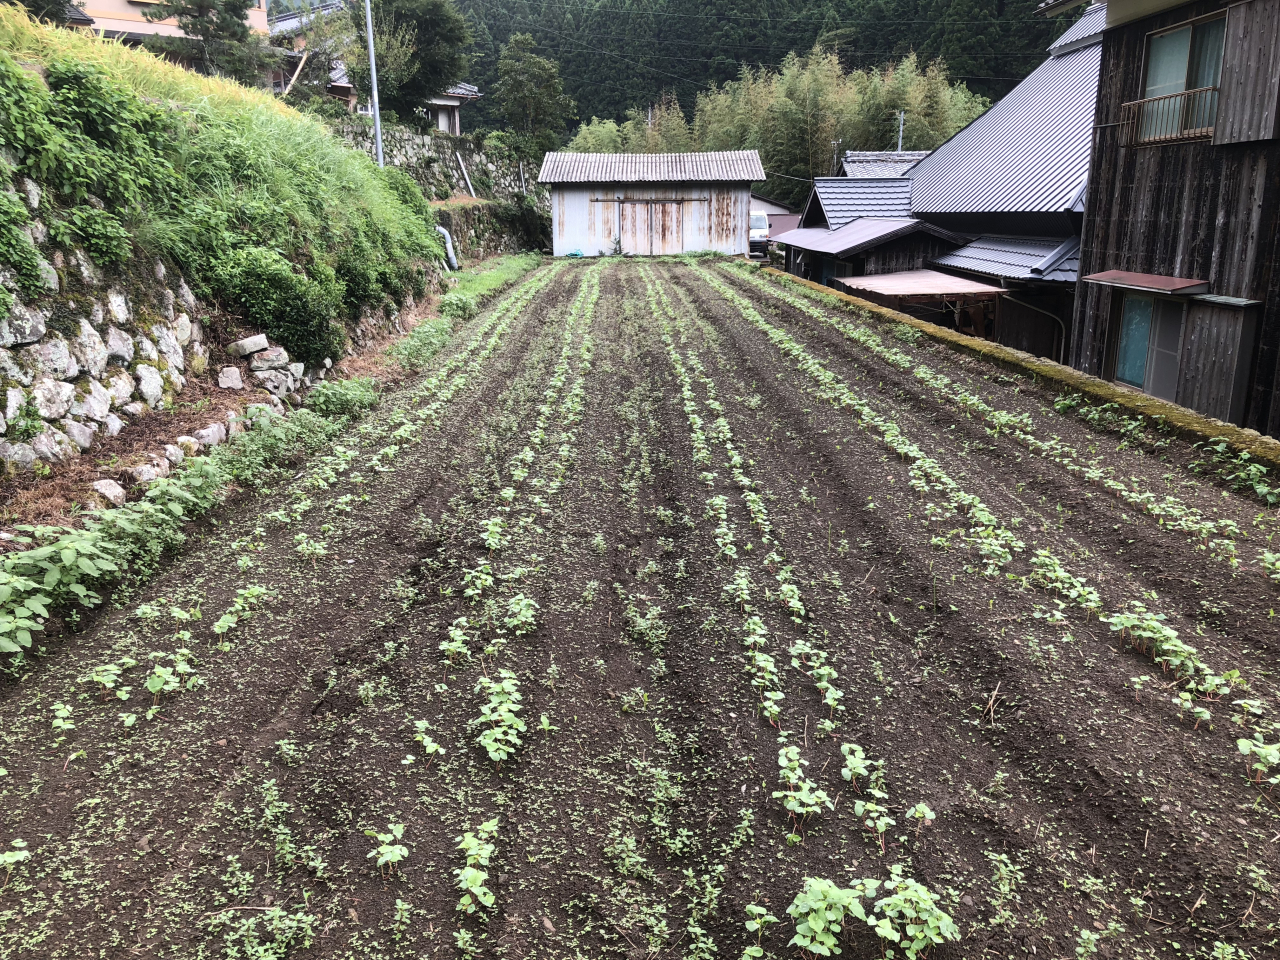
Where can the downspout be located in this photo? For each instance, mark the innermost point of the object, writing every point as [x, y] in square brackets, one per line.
[1056, 319]
[448, 248]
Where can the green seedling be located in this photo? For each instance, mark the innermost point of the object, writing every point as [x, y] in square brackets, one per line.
[521, 611]
[922, 815]
[456, 645]
[389, 852]
[62, 721]
[758, 920]
[430, 749]
[477, 849]
[9, 859]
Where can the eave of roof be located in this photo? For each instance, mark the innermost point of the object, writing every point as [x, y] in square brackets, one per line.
[1149, 282]
[860, 234]
[1017, 258]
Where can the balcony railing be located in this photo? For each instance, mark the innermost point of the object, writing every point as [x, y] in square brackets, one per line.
[1188, 115]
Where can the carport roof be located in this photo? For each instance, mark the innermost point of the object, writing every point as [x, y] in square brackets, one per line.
[919, 283]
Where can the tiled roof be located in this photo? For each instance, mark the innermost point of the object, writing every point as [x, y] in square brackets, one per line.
[1030, 152]
[1018, 258]
[842, 199]
[726, 166]
[880, 163]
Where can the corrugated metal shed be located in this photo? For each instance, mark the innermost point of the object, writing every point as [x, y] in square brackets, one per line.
[1030, 152]
[1018, 258]
[880, 163]
[857, 235]
[726, 166]
[842, 199]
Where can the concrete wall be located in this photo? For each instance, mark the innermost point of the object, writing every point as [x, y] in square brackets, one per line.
[649, 219]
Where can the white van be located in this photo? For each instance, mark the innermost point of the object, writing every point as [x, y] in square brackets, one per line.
[758, 237]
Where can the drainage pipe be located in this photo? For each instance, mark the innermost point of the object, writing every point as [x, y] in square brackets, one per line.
[448, 248]
[1058, 320]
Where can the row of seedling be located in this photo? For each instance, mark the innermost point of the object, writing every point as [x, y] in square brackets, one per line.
[1217, 536]
[1197, 681]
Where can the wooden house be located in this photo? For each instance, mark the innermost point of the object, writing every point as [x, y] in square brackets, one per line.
[861, 226]
[1014, 180]
[647, 204]
[1180, 295]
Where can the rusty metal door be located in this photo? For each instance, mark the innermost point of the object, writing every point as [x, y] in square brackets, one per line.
[634, 228]
[667, 218]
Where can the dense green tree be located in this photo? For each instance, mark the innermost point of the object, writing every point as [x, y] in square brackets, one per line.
[799, 117]
[619, 54]
[217, 38]
[422, 46]
[51, 11]
[530, 91]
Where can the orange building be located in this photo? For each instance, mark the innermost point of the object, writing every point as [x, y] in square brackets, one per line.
[124, 20]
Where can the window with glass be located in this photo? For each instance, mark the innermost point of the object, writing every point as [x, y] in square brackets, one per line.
[1184, 67]
[1150, 349]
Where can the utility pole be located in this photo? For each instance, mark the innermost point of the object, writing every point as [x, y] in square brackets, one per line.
[835, 157]
[902, 116]
[373, 79]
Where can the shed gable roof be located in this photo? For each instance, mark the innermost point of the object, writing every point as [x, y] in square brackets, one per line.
[713, 167]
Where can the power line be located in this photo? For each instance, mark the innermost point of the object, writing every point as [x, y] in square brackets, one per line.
[585, 8]
[741, 46]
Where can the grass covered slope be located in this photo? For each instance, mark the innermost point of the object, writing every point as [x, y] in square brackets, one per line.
[256, 204]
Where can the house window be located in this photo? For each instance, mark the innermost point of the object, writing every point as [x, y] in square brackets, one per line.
[1150, 346]
[1184, 68]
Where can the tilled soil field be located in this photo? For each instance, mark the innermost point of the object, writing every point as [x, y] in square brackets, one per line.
[667, 598]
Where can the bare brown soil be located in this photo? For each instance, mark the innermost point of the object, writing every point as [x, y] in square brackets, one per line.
[638, 821]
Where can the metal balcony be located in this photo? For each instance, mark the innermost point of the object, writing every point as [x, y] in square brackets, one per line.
[1188, 115]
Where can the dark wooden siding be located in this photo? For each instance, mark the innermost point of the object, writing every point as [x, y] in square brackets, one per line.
[912, 252]
[1211, 358]
[1250, 73]
[1183, 209]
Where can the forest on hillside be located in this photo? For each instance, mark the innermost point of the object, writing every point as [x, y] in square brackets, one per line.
[618, 54]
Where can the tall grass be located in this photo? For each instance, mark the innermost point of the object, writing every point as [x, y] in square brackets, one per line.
[236, 169]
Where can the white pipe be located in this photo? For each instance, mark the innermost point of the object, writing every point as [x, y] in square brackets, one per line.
[448, 248]
[373, 80]
[465, 176]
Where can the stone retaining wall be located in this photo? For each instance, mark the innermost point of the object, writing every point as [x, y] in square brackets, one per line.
[93, 352]
[438, 161]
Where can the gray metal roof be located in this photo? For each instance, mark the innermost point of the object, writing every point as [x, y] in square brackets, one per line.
[729, 165]
[287, 24]
[1030, 152]
[1091, 23]
[880, 163]
[841, 199]
[858, 235]
[1018, 258]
